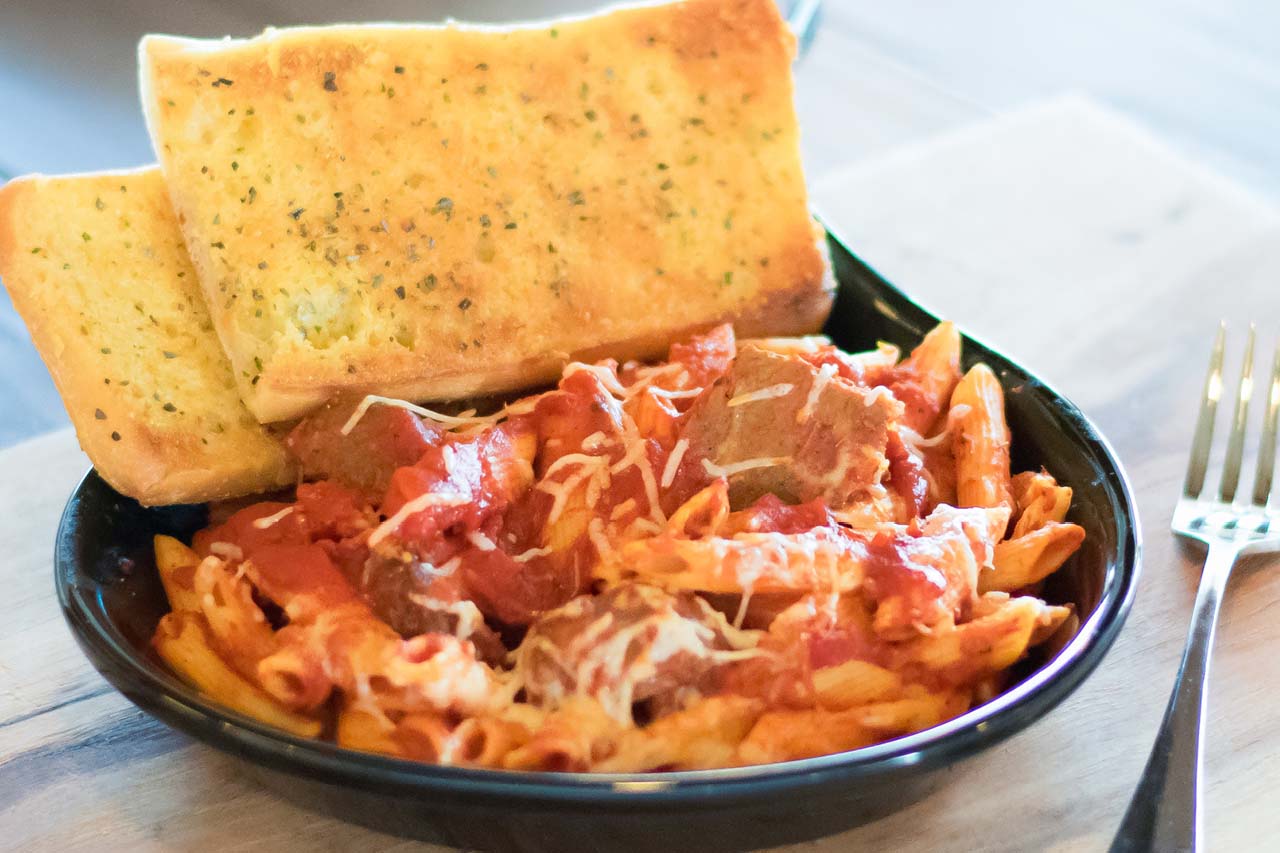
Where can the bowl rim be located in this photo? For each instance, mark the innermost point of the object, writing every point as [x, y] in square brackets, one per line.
[160, 693]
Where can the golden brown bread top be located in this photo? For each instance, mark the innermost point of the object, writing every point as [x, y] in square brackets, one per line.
[437, 212]
[96, 267]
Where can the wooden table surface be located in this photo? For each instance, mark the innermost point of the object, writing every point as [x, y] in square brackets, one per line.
[1062, 234]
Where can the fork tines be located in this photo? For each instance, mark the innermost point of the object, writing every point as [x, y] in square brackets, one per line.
[1203, 440]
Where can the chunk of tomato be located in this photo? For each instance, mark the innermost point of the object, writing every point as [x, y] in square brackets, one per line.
[515, 592]
[244, 530]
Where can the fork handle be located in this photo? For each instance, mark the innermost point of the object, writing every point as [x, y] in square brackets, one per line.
[1164, 814]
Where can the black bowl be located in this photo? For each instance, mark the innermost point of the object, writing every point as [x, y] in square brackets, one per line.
[112, 599]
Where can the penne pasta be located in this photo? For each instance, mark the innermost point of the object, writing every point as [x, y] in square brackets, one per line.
[854, 682]
[917, 710]
[788, 735]
[985, 645]
[365, 730]
[182, 641]
[486, 741]
[706, 734]
[574, 737]
[748, 562]
[237, 627]
[981, 442]
[1030, 558]
[627, 610]
[176, 564]
[425, 737]
[926, 379]
[703, 514]
[1038, 500]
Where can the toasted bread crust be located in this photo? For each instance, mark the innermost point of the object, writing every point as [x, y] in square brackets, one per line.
[96, 267]
[437, 212]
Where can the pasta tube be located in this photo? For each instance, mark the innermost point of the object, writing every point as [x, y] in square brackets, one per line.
[981, 444]
[182, 641]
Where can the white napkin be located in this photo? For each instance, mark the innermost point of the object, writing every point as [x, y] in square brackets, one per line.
[1055, 211]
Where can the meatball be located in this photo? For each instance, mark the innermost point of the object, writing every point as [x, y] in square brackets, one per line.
[415, 598]
[364, 458]
[631, 644]
[826, 437]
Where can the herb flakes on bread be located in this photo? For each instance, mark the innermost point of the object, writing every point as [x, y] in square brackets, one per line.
[437, 212]
[95, 264]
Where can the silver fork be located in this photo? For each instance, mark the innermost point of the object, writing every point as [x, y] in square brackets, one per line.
[802, 16]
[1165, 812]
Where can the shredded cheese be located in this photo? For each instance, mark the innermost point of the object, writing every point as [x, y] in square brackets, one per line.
[632, 457]
[596, 484]
[622, 509]
[482, 542]
[594, 441]
[226, 550]
[932, 484]
[651, 491]
[913, 439]
[418, 504]
[641, 526]
[526, 556]
[714, 470]
[637, 454]
[649, 372]
[749, 572]
[675, 395]
[875, 394]
[593, 468]
[820, 380]
[608, 661]
[516, 408]
[645, 378]
[595, 530]
[268, 521]
[441, 571]
[782, 389]
[608, 378]
[468, 615]
[673, 462]
[572, 459]
[788, 346]
[741, 615]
